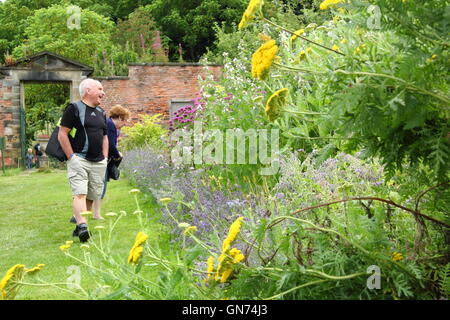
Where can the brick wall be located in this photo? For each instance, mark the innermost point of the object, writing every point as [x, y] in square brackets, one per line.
[149, 88]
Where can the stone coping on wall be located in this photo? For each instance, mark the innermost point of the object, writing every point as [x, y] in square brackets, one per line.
[175, 64]
[112, 78]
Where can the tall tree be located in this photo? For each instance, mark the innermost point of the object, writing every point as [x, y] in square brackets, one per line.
[189, 23]
[13, 14]
[48, 30]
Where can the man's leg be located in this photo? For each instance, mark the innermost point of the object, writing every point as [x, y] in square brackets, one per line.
[97, 209]
[89, 204]
[79, 205]
[96, 187]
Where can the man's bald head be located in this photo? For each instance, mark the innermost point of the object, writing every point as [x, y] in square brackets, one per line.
[91, 91]
[87, 84]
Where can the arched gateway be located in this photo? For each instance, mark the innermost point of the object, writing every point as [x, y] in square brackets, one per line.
[43, 67]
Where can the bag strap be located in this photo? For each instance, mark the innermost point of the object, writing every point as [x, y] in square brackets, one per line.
[81, 107]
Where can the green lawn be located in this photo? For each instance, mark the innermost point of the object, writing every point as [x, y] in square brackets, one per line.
[35, 209]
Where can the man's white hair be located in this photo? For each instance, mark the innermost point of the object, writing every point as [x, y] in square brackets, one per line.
[87, 83]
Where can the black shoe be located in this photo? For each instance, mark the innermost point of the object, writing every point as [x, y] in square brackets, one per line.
[73, 220]
[82, 232]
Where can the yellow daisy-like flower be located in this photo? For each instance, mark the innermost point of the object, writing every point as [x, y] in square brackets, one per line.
[235, 228]
[137, 249]
[276, 103]
[263, 58]
[297, 33]
[253, 8]
[329, 3]
[8, 285]
[335, 48]
[397, 256]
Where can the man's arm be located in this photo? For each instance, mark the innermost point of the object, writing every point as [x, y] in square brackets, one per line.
[105, 146]
[63, 138]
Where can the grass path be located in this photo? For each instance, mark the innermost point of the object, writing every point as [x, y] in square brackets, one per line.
[35, 209]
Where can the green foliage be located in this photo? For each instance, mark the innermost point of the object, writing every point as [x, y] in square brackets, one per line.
[44, 104]
[47, 30]
[137, 32]
[13, 15]
[148, 132]
[189, 23]
[381, 90]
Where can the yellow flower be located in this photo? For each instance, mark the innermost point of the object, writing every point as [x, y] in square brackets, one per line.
[135, 254]
[237, 255]
[35, 269]
[344, 41]
[297, 33]
[137, 249]
[165, 200]
[66, 246]
[226, 274]
[397, 256]
[335, 48]
[263, 58]
[432, 58]
[135, 191]
[8, 284]
[210, 269]
[190, 230]
[328, 3]
[184, 225]
[235, 228]
[276, 103]
[253, 8]
[264, 37]
[221, 263]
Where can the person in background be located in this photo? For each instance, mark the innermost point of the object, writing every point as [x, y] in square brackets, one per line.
[38, 154]
[29, 158]
[118, 117]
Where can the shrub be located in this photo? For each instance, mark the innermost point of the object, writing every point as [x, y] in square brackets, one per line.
[148, 132]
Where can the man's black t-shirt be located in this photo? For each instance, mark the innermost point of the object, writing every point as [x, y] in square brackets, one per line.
[95, 126]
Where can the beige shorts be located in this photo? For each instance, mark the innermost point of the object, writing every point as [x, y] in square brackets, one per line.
[86, 177]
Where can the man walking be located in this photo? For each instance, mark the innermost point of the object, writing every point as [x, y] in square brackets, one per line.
[86, 150]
